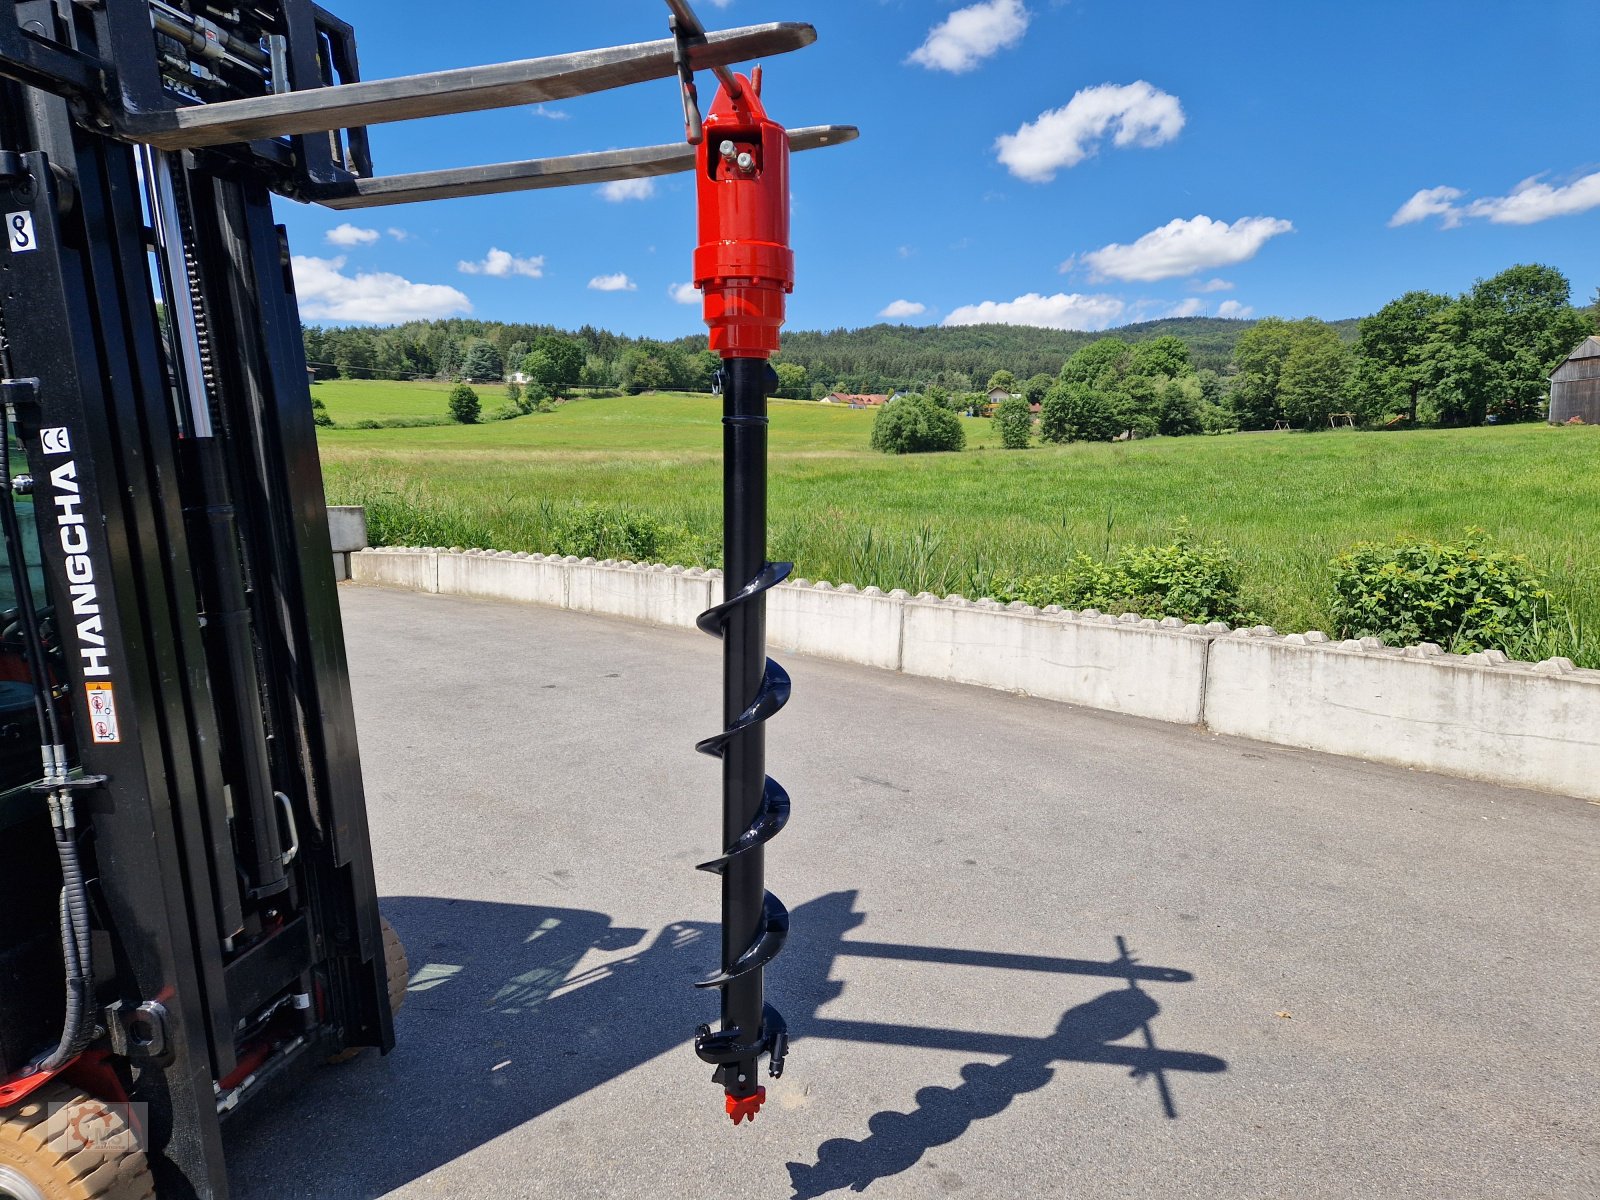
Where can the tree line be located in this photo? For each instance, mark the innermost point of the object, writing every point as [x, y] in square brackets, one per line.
[881, 358]
[1483, 356]
[472, 351]
[1423, 358]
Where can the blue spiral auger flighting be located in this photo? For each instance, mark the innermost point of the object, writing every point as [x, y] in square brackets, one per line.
[734, 1050]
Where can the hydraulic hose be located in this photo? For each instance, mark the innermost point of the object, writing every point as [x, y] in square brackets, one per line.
[77, 1027]
[28, 614]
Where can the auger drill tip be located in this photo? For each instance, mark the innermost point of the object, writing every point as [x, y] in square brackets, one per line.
[742, 1107]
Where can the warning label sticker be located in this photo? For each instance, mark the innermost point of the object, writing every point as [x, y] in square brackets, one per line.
[20, 226]
[103, 712]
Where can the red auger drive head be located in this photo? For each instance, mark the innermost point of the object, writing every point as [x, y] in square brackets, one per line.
[743, 263]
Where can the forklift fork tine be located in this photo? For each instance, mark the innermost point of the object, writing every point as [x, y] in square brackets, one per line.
[442, 93]
[532, 174]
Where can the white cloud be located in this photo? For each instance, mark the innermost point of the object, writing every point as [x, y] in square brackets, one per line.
[1206, 286]
[613, 283]
[1429, 202]
[399, 235]
[550, 114]
[1186, 308]
[1061, 311]
[619, 190]
[502, 263]
[684, 293]
[904, 308]
[351, 235]
[327, 294]
[1135, 114]
[1532, 201]
[1183, 247]
[1233, 310]
[969, 35]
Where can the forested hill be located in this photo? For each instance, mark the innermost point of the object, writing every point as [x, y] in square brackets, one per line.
[880, 358]
[905, 354]
[1427, 356]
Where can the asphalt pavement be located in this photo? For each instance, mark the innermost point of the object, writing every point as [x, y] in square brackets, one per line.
[1037, 951]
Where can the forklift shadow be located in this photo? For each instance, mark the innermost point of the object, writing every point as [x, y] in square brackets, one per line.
[1093, 1032]
[502, 1024]
[499, 1026]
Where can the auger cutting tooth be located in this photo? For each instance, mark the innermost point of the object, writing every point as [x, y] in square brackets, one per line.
[746, 1108]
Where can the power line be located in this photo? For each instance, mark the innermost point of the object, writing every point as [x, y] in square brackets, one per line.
[403, 377]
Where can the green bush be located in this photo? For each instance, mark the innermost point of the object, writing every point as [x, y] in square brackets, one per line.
[413, 422]
[464, 406]
[1462, 595]
[916, 425]
[395, 423]
[1198, 581]
[535, 397]
[1217, 418]
[599, 532]
[1073, 413]
[1015, 423]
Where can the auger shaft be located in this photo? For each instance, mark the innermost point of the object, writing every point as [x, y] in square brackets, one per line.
[744, 665]
[745, 267]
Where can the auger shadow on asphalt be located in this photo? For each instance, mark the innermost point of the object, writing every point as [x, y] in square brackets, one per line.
[501, 1025]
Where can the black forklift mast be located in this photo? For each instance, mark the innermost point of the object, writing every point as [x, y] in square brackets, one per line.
[188, 913]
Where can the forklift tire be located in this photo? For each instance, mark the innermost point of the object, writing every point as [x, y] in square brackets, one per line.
[398, 968]
[61, 1144]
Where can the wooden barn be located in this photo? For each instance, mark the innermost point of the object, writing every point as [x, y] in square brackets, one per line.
[1575, 386]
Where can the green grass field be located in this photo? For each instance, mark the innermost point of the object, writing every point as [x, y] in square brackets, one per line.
[352, 400]
[1285, 503]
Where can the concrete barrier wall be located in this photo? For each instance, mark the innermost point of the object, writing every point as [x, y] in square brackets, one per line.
[1133, 666]
[840, 623]
[1478, 716]
[347, 530]
[655, 594]
[414, 569]
[497, 577]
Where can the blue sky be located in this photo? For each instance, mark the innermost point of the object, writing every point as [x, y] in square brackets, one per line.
[1072, 163]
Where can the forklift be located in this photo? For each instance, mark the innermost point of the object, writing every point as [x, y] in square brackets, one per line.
[189, 918]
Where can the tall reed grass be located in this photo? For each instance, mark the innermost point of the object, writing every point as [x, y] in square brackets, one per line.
[1285, 504]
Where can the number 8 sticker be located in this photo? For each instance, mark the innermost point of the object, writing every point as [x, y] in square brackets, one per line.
[19, 231]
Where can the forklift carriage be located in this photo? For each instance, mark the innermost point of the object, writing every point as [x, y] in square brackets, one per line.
[188, 915]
